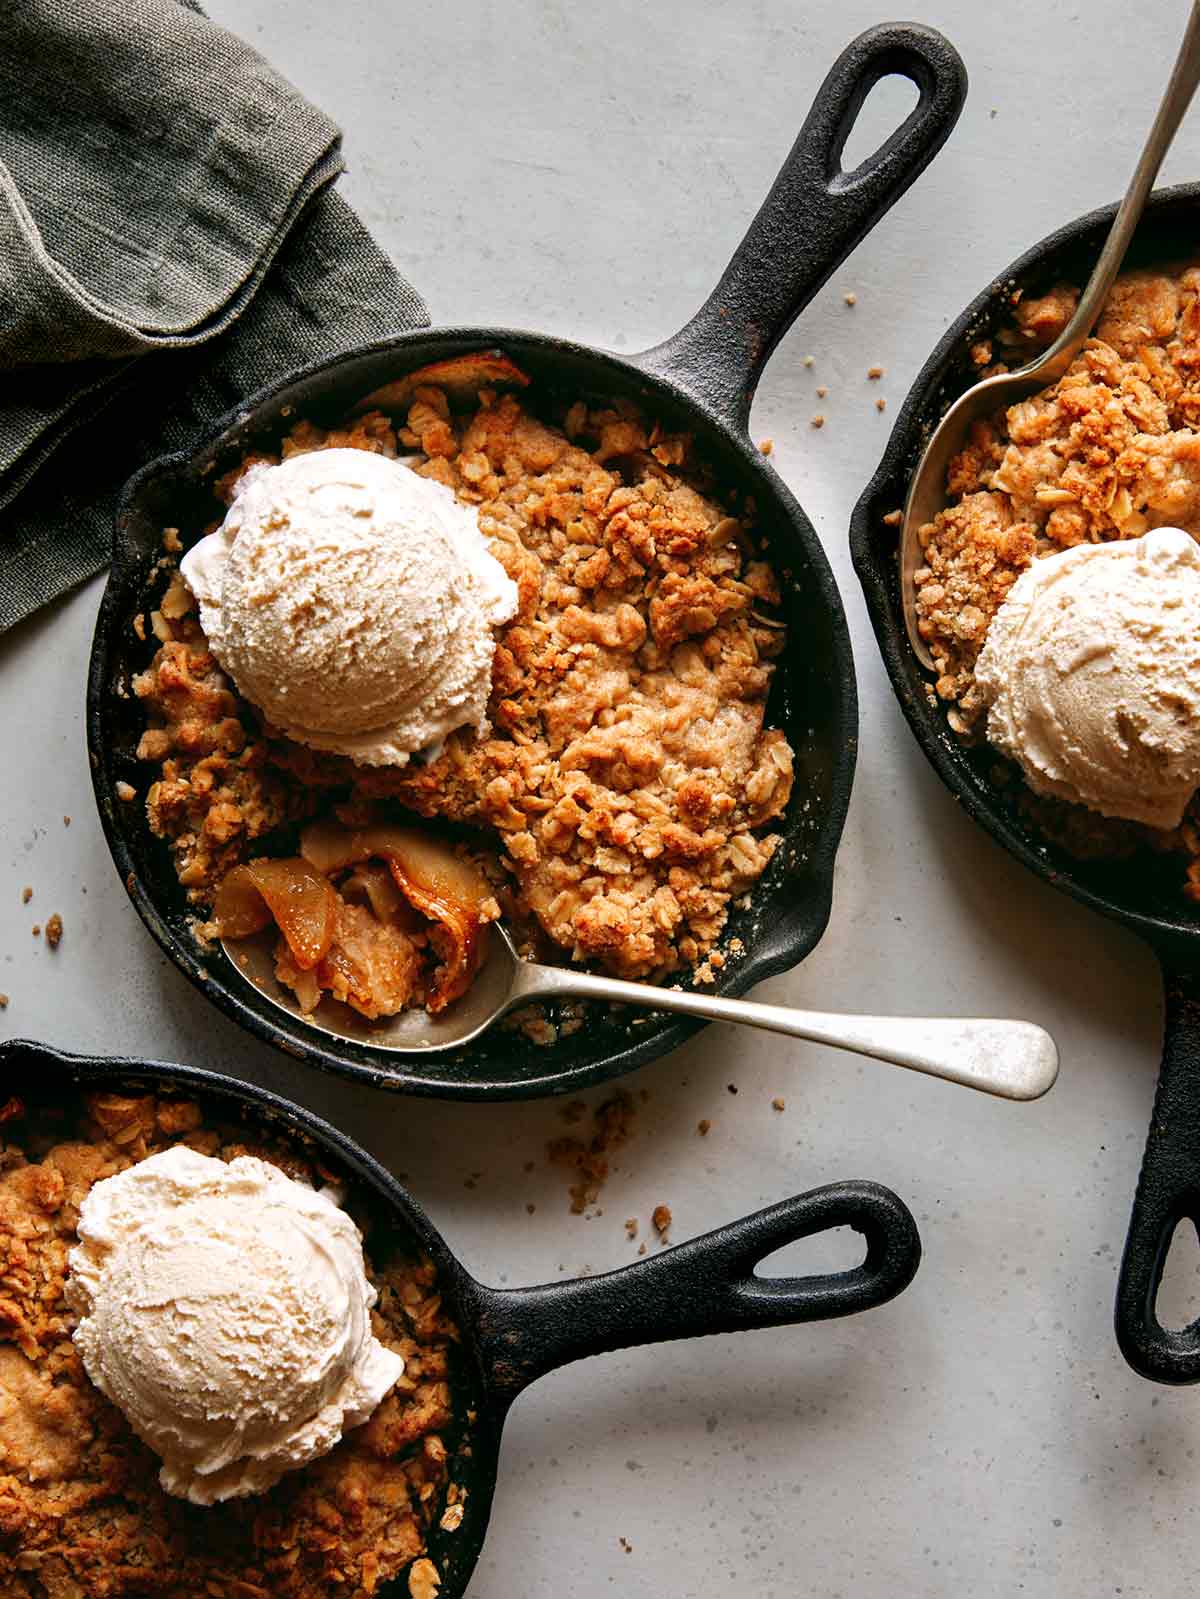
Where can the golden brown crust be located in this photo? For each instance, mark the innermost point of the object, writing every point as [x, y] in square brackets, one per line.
[81, 1512]
[627, 773]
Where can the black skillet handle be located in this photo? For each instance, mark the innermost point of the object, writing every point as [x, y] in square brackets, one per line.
[704, 1286]
[1168, 1191]
[814, 215]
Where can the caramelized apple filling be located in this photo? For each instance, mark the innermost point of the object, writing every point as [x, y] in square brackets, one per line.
[378, 917]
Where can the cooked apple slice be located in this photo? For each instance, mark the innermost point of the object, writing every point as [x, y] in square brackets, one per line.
[330, 847]
[431, 876]
[462, 377]
[300, 900]
[375, 884]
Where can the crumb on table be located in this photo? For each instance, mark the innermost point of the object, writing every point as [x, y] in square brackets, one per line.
[778, 1104]
[874, 373]
[703, 1126]
[26, 895]
[54, 930]
[818, 421]
[588, 1158]
[850, 297]
[662, 1220]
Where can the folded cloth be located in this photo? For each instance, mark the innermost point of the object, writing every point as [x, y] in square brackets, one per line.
[169, 242]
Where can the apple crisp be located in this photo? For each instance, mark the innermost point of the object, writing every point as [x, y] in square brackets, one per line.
[81, 1511]
[1108, 452]
[623, 794]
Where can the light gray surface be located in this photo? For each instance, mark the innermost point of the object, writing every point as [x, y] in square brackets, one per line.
[587, 170]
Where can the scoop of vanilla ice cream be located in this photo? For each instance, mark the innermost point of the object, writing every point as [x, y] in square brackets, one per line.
[1091, 670]
[353, 602]
[224, 1309]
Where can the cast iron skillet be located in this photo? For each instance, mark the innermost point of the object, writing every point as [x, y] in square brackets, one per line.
[701, 380]
[510, 1337]
[1144, 895]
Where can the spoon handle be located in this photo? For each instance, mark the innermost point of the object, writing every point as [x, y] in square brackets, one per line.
[1013, 1059]
[1178, 96]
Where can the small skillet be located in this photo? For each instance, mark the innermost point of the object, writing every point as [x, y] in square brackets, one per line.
[1144, 895]
[510, 1337]
[702, 381]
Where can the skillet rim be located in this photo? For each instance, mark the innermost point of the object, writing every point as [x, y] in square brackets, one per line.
[388, 1069]
[878, 576]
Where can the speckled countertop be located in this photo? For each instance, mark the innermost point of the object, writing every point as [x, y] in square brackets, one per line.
[587, 170]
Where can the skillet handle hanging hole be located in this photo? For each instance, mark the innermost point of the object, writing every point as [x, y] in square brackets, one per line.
[1168, 1193]
[707, 1285]
[814, 215]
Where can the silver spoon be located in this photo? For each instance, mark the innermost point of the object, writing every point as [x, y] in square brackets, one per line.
[1016, 1060]
[927, 490]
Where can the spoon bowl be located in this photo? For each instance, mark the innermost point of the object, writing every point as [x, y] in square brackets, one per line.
[1011, 1059]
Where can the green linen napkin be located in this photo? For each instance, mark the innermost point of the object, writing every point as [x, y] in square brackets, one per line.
[169, 242]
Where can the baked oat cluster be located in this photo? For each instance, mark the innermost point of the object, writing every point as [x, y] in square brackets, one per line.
[1109, 452]
[82, 1515]
[627, 780]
